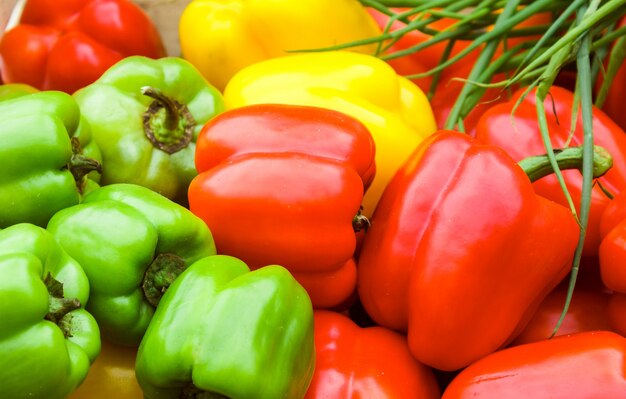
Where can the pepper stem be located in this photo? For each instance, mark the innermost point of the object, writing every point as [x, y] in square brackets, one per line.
[58, 306]
[161, 273]
[167, 123]
[80, 165]
[360, 222]
[539, 166]
[192, 392]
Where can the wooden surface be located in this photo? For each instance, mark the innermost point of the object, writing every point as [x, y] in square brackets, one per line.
[164, 13]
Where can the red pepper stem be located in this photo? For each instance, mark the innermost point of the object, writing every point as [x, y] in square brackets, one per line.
[539, 166]
[167, 123]
[161, 273]
[58, 305]
[360, 222]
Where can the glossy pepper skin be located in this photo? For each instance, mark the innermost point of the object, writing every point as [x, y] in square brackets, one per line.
[372, 362]
[579, 366]
[587, 311]
[612, 252]
[9, 91]
[294, 176]
[519, 135]
[131, 242]
[395, 111]
[47, 339]
[221, 37]
[222, 329]
[66, 45]
[49, 158]
[458, 226]
[146, 115]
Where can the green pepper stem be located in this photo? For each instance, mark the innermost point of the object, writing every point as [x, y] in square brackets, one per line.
[161, 273]
[58, 305]
[167, 123]
[80, 165]
[192, 392]
[539, 166]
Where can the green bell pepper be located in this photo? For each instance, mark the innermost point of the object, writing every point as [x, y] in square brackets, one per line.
[9, 91]
[47, 154]
[222, 331]
[47, 339]
[131, 242]
[146, 115]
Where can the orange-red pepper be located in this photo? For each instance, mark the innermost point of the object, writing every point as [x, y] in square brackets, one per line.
[461, 251]
[518, 133]
[282, 184]
[370, 362]
[579, 366]
[66, 45]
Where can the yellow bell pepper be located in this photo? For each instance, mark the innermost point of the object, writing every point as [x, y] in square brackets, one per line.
[220, 37]
[396, 111]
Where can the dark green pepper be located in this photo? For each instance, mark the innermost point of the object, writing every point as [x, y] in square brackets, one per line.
[131, 242]
[46, 152]
[47, 339]
[146, 115]
[222, 331]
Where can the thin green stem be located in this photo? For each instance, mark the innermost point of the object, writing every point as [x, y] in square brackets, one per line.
[481, 63]
[584, 85]
[611, 8]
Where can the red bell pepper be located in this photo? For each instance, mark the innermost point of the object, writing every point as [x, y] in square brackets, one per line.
[447, 89]
[461, 251]
[617, 313]
[423, 60]
[66, 45]
[614, 213]
[579, 366]
[517, 132]
[371, 362]
[588, 311]
[282, 184]
[612, 253]
[614, 102]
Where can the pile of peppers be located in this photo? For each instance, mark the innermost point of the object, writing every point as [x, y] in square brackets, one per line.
[249, 220]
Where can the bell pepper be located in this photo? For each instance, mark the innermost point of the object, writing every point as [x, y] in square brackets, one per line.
[617, 313]
[518, 133]
[47, 339]
[112, 375]
[371, 362]
[48, 156]
[395, 111]
[428, 57]
[588, 311]
[294, 176]
[578, 366]
[612, 252]
[222, 37]
[614, 213]
[132, 243]
[458, 226]
[146, 115]
[223, 331]
[9, 91]
[66, 45]
[613, 102]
